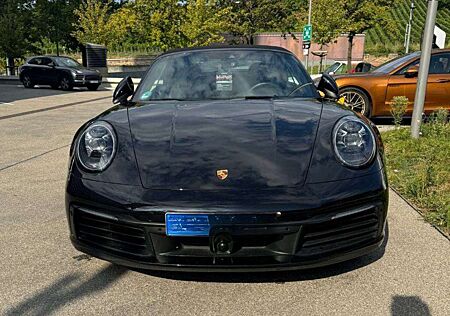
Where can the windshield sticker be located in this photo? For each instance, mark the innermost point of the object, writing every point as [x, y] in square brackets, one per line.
[224, 81]
[146, 95]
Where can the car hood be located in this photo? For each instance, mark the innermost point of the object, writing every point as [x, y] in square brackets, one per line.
[260, 143]
[83, 71]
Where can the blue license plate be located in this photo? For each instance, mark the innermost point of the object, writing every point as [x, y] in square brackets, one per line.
[187, 224]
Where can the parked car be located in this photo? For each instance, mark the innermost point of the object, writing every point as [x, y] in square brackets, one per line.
[363, 67]
[371, 93]
[227, 158]
[340, 67]
[58, 72]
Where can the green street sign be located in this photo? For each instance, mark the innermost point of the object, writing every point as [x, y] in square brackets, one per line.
[307, 33]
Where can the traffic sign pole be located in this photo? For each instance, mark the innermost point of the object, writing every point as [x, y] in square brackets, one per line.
[309, 24]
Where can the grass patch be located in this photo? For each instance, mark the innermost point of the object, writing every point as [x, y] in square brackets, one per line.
[420, 169]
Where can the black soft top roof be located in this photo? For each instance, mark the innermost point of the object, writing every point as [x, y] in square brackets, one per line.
[233, 47]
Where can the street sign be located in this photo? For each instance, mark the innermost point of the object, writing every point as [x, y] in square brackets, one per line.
[439, 37]
[306, 45]
[307, 33]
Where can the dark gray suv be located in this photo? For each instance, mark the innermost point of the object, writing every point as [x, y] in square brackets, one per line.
[58, 72]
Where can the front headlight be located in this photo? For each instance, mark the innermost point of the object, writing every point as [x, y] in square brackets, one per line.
[353, 142]
[96, 146]
[75, 72]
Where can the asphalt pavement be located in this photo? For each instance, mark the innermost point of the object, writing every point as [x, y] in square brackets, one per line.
[42, 274]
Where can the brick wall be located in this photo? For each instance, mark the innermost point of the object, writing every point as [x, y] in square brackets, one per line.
[336, 51]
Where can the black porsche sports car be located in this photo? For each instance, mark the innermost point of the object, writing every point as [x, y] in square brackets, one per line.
[58, 72]
[227, 158]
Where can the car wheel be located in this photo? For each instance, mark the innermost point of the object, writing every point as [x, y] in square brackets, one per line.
[27, 82]
[55, 86]
[65, 83]
[93, 87]
[357, 100]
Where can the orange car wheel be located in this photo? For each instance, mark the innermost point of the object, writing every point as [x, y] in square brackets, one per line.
[357, 100]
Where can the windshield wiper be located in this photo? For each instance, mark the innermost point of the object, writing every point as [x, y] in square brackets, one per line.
[250, 97]
[167, 99]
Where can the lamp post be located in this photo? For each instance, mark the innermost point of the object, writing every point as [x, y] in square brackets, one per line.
[422, 79]
[409, 26]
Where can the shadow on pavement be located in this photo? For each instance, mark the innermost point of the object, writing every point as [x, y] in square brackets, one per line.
[65, 290]
[277, 277]
[409, 305]
[12, 93]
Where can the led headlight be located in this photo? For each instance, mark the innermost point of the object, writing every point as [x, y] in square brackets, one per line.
[96, 146]
[353, 142]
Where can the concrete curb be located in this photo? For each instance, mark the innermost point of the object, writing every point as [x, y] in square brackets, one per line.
[9, 80]
[111, 83]
[420, 213]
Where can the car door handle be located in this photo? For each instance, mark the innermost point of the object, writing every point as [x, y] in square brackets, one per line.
[443, 80]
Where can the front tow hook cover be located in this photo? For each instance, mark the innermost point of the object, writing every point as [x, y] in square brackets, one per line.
[222, 244]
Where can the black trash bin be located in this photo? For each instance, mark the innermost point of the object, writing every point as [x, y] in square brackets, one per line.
[94, 56]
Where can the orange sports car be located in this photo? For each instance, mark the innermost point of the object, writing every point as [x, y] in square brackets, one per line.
[371, 93]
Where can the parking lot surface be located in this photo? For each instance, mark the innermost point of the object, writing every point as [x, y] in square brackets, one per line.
[41, 273]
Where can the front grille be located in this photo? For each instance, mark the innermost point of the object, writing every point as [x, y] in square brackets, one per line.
[92, 77]
[340, 234]
[125, 239]
[79, 77]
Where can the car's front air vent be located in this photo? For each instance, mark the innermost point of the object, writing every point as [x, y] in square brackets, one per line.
[346, 232]
[114, 236]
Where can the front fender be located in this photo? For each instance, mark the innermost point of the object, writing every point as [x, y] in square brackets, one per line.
[123, 168]
[324, 166]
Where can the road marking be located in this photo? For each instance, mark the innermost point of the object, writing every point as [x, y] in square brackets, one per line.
[34, 157]
[7, 103]
[51, 108]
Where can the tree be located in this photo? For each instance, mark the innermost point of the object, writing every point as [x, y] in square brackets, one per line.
[123, 26]
[326, 21]
[361, 15]
[204, 23]
[55, 21]
[92, 22]
[159, 22]
[252, 16]
[16, 30]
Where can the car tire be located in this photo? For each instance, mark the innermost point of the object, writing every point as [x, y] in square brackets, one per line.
[92, 87]
[55, 86]
[65, 83]
[358, 101]
[27, 82]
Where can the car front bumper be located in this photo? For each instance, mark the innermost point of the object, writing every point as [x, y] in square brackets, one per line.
[82, 81]
[310, 231]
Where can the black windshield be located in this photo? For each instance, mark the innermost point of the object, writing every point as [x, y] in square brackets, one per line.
[67, 62]
[395, 63]
[225, 74]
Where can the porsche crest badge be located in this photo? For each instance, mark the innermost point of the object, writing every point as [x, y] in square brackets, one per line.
[222, 174]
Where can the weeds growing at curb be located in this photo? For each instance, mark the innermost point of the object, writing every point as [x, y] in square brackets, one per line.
[420, 170]
[398, 109]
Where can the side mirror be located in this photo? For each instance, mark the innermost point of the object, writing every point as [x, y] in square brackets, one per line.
[329, 87]
[123, 91]
[412, 72]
